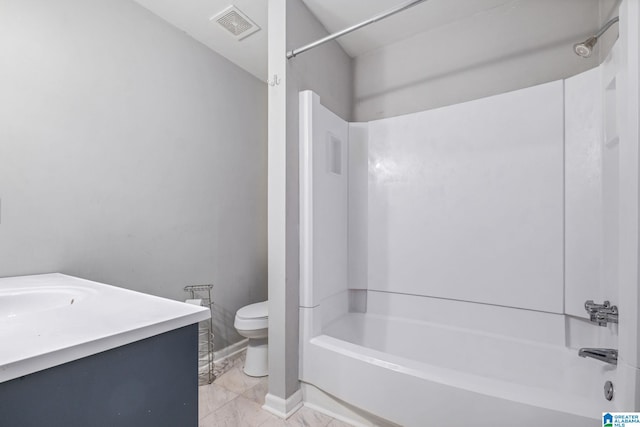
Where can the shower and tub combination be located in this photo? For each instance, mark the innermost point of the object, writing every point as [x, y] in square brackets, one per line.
[461, 264]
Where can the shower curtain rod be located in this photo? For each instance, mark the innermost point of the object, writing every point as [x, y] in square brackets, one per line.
[295, 52]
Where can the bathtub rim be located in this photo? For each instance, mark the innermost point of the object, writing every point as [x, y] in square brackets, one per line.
[499, 389]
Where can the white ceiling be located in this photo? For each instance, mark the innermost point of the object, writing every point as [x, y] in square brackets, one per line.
[192, 16]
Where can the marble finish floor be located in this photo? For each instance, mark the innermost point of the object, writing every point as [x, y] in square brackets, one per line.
[235, 400]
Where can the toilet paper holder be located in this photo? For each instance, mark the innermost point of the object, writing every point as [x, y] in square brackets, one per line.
[205, 332]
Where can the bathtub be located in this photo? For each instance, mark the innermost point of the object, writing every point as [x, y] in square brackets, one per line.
[384, 338]
[401, 367]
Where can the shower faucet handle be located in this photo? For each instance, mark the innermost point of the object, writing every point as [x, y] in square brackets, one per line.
[592, 307]
[602, 314]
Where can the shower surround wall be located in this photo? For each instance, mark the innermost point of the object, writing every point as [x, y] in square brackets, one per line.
[471, 231]
[466, 202]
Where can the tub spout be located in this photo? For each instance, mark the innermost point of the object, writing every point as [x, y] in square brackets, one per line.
[607, 355]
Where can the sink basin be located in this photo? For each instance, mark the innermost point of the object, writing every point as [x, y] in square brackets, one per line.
[50, 319]
[17, 302]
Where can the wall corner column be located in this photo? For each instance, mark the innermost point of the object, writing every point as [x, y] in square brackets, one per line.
[284, 396]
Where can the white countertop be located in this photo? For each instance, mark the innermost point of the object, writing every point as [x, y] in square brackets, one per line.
[50, 319]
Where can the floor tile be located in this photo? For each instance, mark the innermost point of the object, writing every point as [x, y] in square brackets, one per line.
[238, 361]
[306, 417]
[212, 397]
[238, 412]
[235, 399]
[237, 381]
[220, 368]
[274, 422]
[258, 391]
[338, 423]
[225, 365]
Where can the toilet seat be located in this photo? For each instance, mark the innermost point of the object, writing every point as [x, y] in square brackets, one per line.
[252, 317]
[254, 311]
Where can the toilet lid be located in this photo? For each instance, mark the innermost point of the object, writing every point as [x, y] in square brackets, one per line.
[254, 311]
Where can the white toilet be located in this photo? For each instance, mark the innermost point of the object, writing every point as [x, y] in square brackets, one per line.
[252, 321]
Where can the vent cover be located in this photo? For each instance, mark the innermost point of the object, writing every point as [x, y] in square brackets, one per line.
[236, 22]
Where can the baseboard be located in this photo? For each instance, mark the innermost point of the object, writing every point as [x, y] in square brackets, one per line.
[229, 351]
[283, 408]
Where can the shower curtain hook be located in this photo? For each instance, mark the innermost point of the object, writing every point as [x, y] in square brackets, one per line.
[275, 81]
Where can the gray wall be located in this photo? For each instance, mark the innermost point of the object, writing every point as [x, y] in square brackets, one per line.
[485, 54]
[129, 154]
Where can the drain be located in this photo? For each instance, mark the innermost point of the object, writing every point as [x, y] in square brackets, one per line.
[608, 390]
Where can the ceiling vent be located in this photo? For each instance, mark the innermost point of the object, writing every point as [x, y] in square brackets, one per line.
[236, 22]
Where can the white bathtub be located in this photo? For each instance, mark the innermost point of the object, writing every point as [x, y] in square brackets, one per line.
[407, 314]
[411, 371]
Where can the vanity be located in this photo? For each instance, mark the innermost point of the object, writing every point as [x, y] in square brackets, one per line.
[79, 353]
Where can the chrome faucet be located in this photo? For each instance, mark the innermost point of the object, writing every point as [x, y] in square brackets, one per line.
[607, 355]
[602, 314]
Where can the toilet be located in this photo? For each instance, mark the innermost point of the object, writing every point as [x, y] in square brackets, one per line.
[252, 321]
